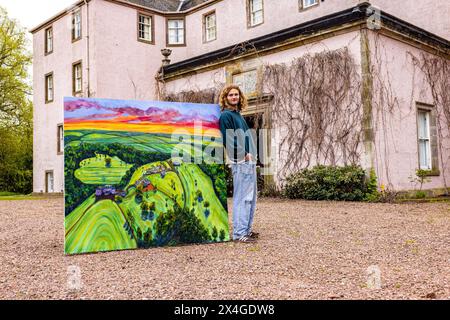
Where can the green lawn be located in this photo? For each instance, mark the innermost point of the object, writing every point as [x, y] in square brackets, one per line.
[16, 196]
[6, 193]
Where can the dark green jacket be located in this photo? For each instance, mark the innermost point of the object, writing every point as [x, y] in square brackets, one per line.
[241, 139]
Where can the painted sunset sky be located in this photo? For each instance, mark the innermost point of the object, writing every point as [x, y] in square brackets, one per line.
[141, 116]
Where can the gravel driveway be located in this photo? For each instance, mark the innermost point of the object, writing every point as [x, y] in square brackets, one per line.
[307, 250]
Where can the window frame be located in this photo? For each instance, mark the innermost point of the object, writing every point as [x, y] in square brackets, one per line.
[426, 140]
[301, 5]
[432, 136]
[168, 19]
[74, 14]
[46, 51]
[46, 76]
[205, 28]
[74, 65]
[59, 148]
[152, 27]
[250, 13]
[46, 181]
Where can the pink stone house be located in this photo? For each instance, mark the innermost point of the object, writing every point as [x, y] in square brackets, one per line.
[112, 49]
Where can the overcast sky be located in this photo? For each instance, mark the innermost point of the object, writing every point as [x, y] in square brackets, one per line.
[31, 13]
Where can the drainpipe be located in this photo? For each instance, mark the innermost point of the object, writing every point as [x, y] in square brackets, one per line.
[87, 49]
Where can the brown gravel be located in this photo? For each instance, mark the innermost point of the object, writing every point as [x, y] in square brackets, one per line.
[307, 250]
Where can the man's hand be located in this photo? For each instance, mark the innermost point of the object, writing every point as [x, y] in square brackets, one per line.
[248, 157]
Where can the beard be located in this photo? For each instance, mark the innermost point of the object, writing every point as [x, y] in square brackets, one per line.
[233, 105]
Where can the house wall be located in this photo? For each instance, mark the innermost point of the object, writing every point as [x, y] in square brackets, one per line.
[395, 115]
[232, 20]
[126, 68]
[123, 68]
[48, 115]
[432, 16]
[119, 67]
[209, 79]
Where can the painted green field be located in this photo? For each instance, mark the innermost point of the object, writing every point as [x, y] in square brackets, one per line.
[99, 228]
[95, 171]
[218, 216]
[161, 143]
[140, 172]
[75, 215]
[162, 204]
[105, 221]
[170, 186]
[187, 179]
[179, 185]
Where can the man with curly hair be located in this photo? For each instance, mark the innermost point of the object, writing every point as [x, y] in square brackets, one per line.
[239, 143]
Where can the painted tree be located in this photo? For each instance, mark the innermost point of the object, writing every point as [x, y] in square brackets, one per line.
[207, 212]
[222, 235]
[214, 233]
[144, 206]
[148, 238]
[199, 195]
[139, 194]
[139, 234]
[108, 162]
[130, 218]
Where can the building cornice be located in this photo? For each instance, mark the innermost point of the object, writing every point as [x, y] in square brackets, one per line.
[58, 16]
[61, 14]
[320, 28]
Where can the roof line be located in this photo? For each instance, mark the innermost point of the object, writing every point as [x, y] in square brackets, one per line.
[352, 15]
[59, 15]
[124, 3]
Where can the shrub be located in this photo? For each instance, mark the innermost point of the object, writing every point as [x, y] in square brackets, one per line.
[420, 195]
[421, 178]
[372, 194]
[119, 199]
[328, 183]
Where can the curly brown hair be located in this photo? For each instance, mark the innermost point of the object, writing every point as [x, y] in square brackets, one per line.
[243, 103]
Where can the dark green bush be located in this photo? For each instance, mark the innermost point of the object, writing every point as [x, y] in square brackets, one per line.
[329, 183]
[16, 180]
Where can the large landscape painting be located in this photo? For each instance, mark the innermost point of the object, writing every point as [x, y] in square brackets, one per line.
[136, 175]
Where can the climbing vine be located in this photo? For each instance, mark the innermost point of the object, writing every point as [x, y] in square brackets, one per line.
[318, 112]
[317, 106]
[436, 71]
